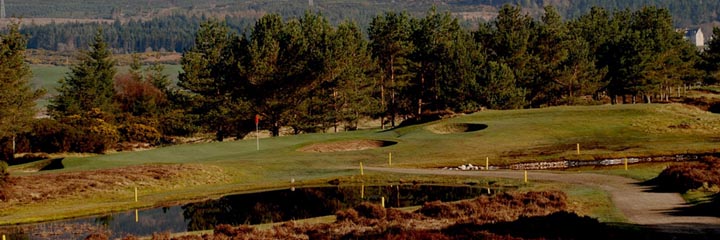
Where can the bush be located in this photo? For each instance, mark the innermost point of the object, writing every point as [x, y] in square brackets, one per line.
[4, 181]
[3, 171]
[50, 136]
[136, 132]
[178, 123]
[691, 175]
[72, 134]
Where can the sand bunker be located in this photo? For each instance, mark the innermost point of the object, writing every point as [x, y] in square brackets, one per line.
[449, 128]
[352, 145]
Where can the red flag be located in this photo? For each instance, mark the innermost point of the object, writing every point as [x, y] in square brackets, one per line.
[257, 119]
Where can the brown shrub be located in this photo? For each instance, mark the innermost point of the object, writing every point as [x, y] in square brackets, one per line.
[438, 209]
[371, 211]
[188, 237]
[97, 236]
[398, 215]
[347, 215]
[230, 231]
[692, 175]
[416, 235]
[161, 236]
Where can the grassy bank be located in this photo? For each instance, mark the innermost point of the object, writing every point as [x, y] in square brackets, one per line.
[510, 137]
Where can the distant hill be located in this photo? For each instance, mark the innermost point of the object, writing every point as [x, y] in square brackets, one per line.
[687, 13]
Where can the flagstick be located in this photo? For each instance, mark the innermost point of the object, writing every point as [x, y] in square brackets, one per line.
[257, 134]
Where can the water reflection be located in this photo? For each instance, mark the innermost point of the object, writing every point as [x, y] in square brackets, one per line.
[252, 208]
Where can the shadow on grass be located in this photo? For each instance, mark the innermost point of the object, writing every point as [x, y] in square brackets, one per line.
[564, 225]
[709, 208]
[665, 184]
[53, 164]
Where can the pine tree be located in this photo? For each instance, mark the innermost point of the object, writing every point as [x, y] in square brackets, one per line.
[391, 45]
[89, 84]
[354, 94]
[711, 58]
[17, 98]
[212, 78]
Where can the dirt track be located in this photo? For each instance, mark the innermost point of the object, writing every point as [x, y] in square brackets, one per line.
[638, 203]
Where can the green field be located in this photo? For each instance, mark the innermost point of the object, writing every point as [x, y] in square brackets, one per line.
[47, 77]
[511, 136]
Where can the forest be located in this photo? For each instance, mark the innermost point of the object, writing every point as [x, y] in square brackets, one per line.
[169, 24]
[308, 75]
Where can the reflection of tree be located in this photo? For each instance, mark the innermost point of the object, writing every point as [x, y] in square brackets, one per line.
[105, 220]
[284, 205]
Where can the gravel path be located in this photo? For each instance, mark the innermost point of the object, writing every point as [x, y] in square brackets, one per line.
[638, 203]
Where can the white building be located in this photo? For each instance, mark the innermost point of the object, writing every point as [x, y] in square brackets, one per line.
[696, 37]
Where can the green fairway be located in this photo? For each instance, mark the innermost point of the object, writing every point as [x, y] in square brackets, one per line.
[510, 137]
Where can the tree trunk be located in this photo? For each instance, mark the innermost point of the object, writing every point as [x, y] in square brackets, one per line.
[422, 93]
[220, 134]
[382, 102]
[275, 129]
[392, 93]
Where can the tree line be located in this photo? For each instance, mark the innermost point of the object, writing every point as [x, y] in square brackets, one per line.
[312, 76]
[174, 31]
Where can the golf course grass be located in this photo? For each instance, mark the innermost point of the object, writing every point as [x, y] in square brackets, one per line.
[505, 137]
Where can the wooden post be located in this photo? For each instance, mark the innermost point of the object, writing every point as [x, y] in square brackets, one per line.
[382, 202]
[389, 159]
[487, 163]
[361, 169]
[136, 216]
[525, 175]
[626, 161]
[362, 191]
[136, 199]
[578, 149]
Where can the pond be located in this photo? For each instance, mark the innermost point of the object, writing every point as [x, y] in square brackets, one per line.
[250, 208]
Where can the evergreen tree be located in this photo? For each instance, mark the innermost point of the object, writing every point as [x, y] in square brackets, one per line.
[17, 98]
[508, 40]
[213, 78]
[650, 58]
[89, 84]
[499, 87]
[264, 71]
[390, 44]
[443, 65]
[354, 94]
[711, 58]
